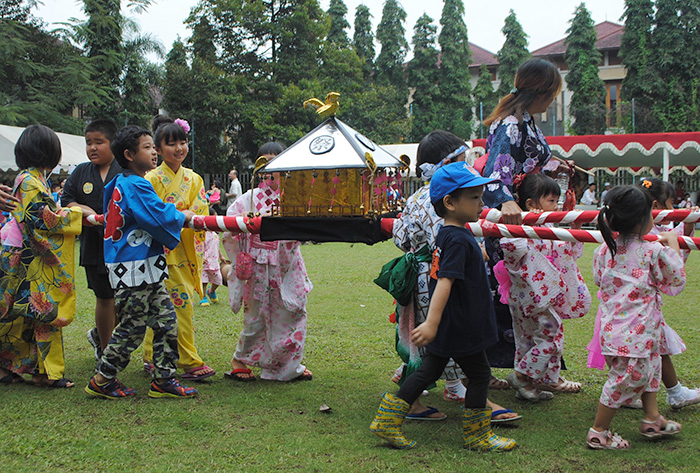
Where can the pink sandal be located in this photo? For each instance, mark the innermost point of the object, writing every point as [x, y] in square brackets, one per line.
[605, 440]
[656, 429]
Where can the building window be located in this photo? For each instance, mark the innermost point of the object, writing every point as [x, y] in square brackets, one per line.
[613, 115]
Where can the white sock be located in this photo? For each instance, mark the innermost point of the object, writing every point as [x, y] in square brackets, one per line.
[455, 386]
[674, 391]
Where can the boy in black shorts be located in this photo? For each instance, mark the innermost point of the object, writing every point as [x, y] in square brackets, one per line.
[85, 188]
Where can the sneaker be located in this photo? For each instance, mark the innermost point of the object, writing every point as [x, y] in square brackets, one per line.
[212, 296]
[94, 338]
[685, 397]
[171, 388]
[112, 390]
[204, 302]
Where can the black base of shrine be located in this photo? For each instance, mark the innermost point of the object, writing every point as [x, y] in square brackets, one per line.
[324, 229]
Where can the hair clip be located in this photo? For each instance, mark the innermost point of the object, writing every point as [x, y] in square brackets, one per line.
[183, 123]
[514, 90]
[647, 183]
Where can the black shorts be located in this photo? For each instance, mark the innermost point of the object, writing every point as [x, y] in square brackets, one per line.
[98, 281]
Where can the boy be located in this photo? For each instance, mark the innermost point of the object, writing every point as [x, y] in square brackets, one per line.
[461, 322]
[84, 188]
[137, 226]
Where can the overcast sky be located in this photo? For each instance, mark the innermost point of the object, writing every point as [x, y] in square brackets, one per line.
[544, 21]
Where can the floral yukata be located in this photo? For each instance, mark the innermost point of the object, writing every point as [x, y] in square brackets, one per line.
[546, 287]
[274, 297]
[211, 269]
[36, 279]
[185, 189]
[631, 334]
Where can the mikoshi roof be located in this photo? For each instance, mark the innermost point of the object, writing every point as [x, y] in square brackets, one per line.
[331, 145]
[637, 152]
[72, 147]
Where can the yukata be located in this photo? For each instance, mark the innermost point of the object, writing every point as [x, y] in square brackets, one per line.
[274, 297]
[211, 268]
[36, 278]
[546, 287]
[185, 189]
[631, 332]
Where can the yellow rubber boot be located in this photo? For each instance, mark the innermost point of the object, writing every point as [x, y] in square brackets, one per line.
[387, 423]
[478, 434]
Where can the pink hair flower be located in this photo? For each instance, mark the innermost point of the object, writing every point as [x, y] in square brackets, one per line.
[183, 123]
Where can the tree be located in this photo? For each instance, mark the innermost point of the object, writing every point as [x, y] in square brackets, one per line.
[513, 53]
[587, 105]
[337, 33]
[363, 40]
[454, 104]
[635, 49]
[484, 95]
[391, 37]
[422, 78]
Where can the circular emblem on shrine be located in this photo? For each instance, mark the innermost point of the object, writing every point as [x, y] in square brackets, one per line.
[365, 141]
[322, 144]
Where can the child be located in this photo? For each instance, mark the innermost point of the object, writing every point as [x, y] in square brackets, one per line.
[84, 188]
[183, 187]
[274, 293]
[415, 231]
[546, 288]
[37, 267]
[460, 324]
[632, 274]
[137, 226]
[211, 269]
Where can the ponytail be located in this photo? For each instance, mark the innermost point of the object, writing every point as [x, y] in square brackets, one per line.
[605, 230]
[627, 210]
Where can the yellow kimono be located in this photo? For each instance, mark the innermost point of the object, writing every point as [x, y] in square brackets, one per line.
[36, 280]
[185, 189]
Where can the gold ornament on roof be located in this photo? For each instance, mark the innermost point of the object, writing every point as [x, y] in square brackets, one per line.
[327, 108]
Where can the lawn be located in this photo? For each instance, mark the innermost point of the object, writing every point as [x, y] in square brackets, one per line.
[267, 426]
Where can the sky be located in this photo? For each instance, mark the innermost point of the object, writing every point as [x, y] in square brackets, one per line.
[544, 21]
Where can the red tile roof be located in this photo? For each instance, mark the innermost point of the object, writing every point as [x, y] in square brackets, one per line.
[481, 56]
[609, 37]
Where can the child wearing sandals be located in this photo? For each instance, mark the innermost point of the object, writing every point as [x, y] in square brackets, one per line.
[546, 287]
[211, 269]
[138, 224]
[632, 274]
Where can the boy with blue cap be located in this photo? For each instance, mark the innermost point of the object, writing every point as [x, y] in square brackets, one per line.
[461, 322]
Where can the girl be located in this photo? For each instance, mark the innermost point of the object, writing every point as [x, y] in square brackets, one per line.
[211, 269]
[274, 292]
[184, 188]
[415, 231]
[632, 274]
[546, 288]
[214, 197]
[37, 268]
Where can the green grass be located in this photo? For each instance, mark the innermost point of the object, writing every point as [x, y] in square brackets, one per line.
[267, 426]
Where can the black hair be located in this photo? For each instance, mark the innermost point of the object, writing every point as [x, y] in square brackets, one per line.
[103, 125]
[38, 146]
[435, 146]
[271, 147]
[536, 186]
[218, 183]
[127, 138]
[439, 206]
[165, 129]
[626, 209]
[660, 190]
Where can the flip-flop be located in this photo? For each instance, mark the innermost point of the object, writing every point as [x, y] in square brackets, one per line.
[190, 374]
[56, 384]
[425, 415]
[12, 378]
[236, 374]
[499, 412]
[498, 384]
[305, 376]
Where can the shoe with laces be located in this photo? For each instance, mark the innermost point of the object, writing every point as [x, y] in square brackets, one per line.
[212, 296]
[94, 338]
[170, 388]
[204, 302]
[112, 390]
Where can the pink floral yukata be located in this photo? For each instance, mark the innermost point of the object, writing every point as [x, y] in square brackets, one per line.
[274, 298]
[631, 335]
[211, 268]
[547, 287]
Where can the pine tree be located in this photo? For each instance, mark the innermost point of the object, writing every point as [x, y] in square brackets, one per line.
[484, 97]
[513, 53]
[587, 105]
[391, 37]
[339, 24]
[641, 80]
[363, 40]
[454, 105]
[422, 78]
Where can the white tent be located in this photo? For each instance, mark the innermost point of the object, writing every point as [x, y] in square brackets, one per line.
[72, 146]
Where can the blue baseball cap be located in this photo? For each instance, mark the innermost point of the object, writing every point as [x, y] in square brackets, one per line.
[455, 176]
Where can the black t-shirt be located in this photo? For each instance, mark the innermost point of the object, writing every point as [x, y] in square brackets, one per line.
[468, 323]
[85, 186]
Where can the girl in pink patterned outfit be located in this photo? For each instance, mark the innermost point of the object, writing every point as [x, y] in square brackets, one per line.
[546, 288]
[632, 274]
[211, 268]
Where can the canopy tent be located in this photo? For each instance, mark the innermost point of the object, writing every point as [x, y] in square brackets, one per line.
[72, 146]
[640, 153]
